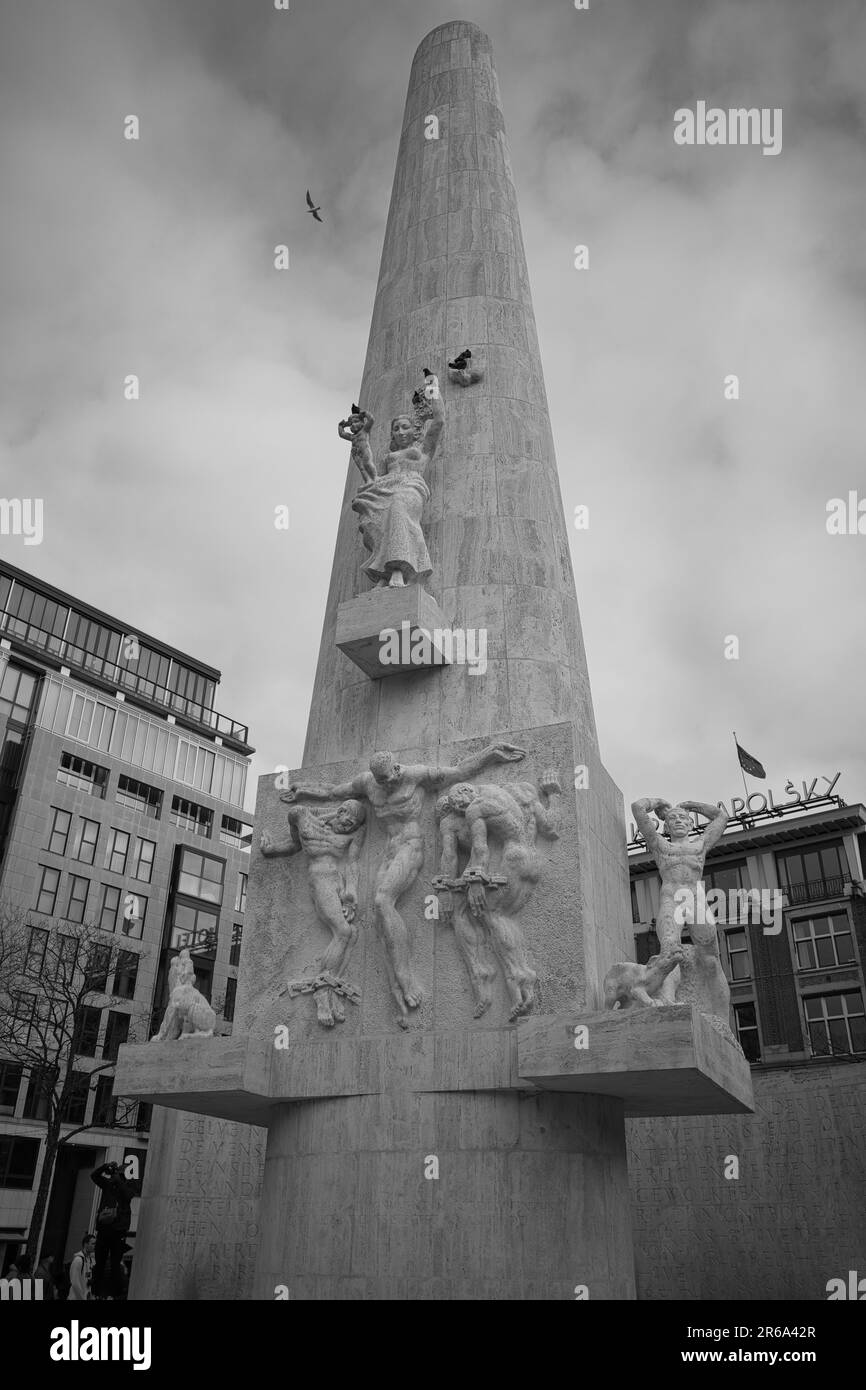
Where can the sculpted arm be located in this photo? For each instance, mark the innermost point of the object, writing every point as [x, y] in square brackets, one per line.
[433, 777]
[641, 812]
[548, 818]
[349, 895]
[320, 791]
[433, 432]
[717, 817]
[270, 850]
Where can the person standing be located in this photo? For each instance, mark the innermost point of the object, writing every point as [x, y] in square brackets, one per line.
[81, 1271]
[113, 1221]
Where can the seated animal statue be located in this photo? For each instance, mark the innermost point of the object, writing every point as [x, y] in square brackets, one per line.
[188, 1015]
[627, 984]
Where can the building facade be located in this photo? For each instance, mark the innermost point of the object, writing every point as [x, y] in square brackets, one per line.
[791, 1212]
[121, 810]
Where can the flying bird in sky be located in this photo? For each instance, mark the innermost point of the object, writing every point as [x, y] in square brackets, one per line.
[311, 207]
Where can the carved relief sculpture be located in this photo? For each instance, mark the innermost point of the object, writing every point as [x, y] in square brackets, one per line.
[391, 503]
[188, 1015]
[396, 795]
[332, 841]
[484, 904]
[356, 430]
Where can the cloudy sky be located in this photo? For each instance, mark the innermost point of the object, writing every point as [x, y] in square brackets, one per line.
[707, 516]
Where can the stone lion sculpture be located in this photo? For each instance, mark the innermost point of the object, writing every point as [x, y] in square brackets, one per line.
[188, 1015]
[627, 984]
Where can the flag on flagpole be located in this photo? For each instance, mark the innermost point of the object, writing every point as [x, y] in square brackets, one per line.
[748, 763]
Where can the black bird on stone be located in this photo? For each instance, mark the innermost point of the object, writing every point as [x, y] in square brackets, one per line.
[311, 207]
[459, 364]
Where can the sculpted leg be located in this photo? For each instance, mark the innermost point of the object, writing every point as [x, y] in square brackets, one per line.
[469, 936]
[326, 899]
[399, 871]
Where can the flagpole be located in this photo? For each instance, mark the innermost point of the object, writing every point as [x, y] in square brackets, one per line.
[742, 769]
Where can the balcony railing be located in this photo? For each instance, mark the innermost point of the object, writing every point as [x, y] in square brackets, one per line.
[816, 890]
[124, 677]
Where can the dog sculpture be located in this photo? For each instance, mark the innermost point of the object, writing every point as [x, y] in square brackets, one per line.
[188, 1015]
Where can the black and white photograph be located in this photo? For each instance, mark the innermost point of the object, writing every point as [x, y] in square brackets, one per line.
[432, 614]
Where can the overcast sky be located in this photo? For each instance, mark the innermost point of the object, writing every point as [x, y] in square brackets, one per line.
[707, 516]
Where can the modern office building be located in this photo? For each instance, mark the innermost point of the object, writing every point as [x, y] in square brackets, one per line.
[795, 1212]
[121, 808]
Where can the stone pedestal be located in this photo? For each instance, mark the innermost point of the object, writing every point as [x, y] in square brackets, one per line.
[374, 627]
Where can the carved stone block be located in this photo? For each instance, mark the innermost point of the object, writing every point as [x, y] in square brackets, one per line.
[365, 625]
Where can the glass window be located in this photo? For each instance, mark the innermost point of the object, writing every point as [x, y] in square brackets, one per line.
[87, 1020]
[237, 939]
[231, 995]
[811, 874]
[47, 896]
[66, 958]
[109, 907]
[23, 1017]
[186, 815]
[18, 1159]
[74, 1106]
[98, 963]
[105, 1104]
[126, 974]
[77, 903]
[725, 877]
[116, 851]
[241, 894]
[746, 1018]
[41, 1084]
[116, 1033]
[736, 951]
[143, 858]
[35, 961]
[194, 928]
[823, 940]
[836, 1023]
[10, 1080]
[59, 833]
[138, 796]
[82, 775]
[236, 832]
[16, 694]
[134, 913]
[86, 837]
[200, 876]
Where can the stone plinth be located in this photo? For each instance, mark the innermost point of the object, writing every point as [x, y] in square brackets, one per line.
[658, 1061]
[405, 618]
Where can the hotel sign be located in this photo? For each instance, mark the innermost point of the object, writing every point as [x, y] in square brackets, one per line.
[758, 802]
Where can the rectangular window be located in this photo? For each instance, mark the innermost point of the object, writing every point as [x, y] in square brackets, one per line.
[66, 959]
[186, 815]
[143, 1117]
[726, 877]
[236, 832]
[823, 940]
[77, 904]
[126, 974]
[134, 913]
[86, 837]
[82, 775]
[836, 1023]
[97, 968]
[138, 796]
[47, 898]
[23, 1017]
[40, 1088]
[116, 851]
[241, 894]
[746, 1018]
[16, 694]
[231, 995]
[87, 1020]
[237, 938]
[194, 928]
[143, 857]
[10, 1080]
[105, 1104]
[109, 908]
[808, 875]
[116, 1033]
[200, 876]
[736, 955]
[59, 835]
[74, 1107]
[35, 961]
[18, 1160]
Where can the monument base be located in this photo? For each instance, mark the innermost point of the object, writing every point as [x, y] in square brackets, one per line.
[658, 1061]
[387, 632]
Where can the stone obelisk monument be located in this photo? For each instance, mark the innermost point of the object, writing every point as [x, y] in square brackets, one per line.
[448, 868]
